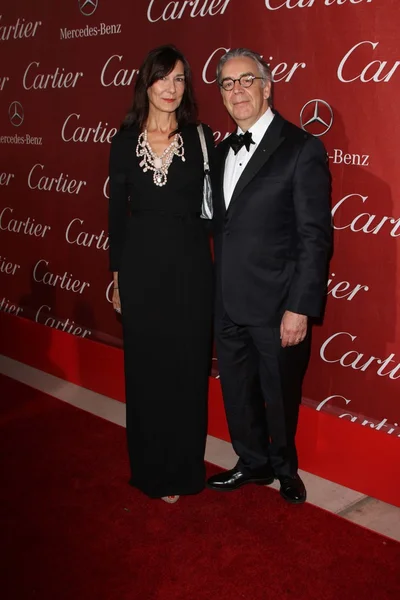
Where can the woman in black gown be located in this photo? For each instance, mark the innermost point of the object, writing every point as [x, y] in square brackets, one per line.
[161, 260]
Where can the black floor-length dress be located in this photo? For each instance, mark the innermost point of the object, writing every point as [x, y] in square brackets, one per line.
[160, 248]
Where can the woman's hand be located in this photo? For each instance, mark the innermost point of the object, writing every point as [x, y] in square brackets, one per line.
[116, 302]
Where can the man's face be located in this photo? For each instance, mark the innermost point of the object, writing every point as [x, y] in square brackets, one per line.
[245, 105]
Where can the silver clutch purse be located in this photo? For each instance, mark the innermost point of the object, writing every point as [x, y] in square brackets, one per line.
[207, 204]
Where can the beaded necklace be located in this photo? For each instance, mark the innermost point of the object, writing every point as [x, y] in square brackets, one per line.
[159, 164]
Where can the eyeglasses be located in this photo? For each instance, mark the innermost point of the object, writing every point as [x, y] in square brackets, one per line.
[245, 81]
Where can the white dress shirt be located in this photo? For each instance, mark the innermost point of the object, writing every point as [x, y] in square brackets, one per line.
[236, 163]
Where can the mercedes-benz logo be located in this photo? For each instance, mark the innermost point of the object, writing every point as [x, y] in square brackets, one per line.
[316, 117]
[16, 113]
[88, 7]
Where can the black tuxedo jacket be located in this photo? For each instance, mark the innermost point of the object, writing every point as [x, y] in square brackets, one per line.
[272, 245]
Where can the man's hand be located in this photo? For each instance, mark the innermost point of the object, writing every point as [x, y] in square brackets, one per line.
[293, 329]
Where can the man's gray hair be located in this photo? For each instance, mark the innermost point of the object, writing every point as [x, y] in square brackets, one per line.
[263, 68]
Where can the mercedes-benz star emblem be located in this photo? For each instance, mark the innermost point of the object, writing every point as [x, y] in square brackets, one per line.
[16, 113]
[316, 117]
[88, 7]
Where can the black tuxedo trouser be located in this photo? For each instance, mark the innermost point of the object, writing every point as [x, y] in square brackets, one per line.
[261, 384]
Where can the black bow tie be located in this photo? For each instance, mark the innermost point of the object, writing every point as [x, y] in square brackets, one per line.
[237, 141]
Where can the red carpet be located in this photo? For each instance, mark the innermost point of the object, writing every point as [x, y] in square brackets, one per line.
[72, 529]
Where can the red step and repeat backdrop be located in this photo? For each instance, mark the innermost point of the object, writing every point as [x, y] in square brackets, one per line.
[66, 77]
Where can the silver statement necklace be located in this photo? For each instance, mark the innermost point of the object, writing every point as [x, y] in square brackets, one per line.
[159, 164]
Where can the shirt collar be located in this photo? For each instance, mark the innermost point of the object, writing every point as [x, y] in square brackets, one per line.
[260, 127]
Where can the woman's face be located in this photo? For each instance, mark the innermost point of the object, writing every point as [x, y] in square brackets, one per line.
[166, 94]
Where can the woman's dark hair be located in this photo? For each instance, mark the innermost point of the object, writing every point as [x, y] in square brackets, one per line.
[157, 64]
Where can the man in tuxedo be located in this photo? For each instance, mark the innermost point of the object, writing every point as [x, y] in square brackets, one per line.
[272, 246]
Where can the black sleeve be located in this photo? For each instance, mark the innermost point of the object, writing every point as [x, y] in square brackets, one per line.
[118, 203]
[311, 197]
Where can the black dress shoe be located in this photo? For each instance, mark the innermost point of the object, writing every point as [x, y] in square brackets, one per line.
[235, 478]
[292, 489]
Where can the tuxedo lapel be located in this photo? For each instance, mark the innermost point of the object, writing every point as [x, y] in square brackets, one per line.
[269, 144]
